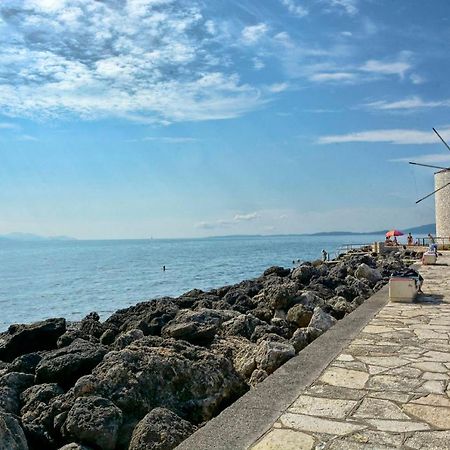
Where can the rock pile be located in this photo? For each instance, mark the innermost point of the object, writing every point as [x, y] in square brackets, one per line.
[149, 375]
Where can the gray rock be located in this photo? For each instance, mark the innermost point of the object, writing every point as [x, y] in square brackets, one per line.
[300, 339]
[365, 272]
[94, 421]
[192, 381]
[127, 338]
[11, 387]
[257, 376]
[12, 436]
[74, 446]
[299, 315]
[65, 365]
[280, 296]
[22, 339]
[25, 363]
[304, 273]
[310, 300]
[271, 355]
[321, 320]
[160, 429]
[243, 325]
[196, 327]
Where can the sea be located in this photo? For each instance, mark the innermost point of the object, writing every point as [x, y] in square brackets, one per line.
[43, 279]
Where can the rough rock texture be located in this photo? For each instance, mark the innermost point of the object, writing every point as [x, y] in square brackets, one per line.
[21, 339]
[321, 320]
[299, 315]
[367, 273]
[271, 355]
[95, 421]
[11, 387]
[196, 327]
[152, 372]
[160, 429]
[66, 365]
[191, 381]
[12, 436]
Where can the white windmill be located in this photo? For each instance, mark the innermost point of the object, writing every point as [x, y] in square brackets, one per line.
[442, 195]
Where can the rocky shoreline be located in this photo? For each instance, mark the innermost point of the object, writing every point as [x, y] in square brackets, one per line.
[151, 374]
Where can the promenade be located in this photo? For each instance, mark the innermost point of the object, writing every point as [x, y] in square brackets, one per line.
[382, 383]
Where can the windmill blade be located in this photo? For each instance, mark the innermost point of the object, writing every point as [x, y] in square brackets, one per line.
[440, 137]
[428, 165]
[434, 192]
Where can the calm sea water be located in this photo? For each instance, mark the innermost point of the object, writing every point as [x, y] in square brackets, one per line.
[69, 279]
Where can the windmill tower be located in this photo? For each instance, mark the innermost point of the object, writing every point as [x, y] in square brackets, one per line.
[442, 195]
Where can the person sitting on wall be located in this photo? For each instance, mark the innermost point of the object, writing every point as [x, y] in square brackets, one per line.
[410, 239]
[388, 241]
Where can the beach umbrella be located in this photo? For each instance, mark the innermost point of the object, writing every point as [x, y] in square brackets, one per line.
[392, 233]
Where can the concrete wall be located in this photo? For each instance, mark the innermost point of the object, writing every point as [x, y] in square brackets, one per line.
[442, 201]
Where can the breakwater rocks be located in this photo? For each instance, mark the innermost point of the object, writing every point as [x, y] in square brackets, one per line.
[150, 374]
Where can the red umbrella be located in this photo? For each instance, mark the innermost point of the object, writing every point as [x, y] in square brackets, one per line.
[391, 233]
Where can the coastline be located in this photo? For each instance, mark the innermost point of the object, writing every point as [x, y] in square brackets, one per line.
[167, 366]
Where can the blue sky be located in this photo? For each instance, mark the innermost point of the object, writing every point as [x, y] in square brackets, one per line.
[172, 118]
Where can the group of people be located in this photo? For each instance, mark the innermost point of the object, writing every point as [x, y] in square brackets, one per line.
[409, 240]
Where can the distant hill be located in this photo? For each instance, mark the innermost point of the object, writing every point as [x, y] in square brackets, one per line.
[33, 237]
[422, 229]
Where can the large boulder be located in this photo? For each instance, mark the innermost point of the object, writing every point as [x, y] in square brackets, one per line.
[310, 300]
[94, 421]
[243, 325]
[25, 363]
[65, 365]
[196, 327]
[21, 339]
[37, 417]
[11, 387]
[280, 296]
[299, 315]
[12, 436]
[191, 381]
[321, 320]
[304, 273]
[365, 272]
[271, 355]
[160, 429]
[277, 271]
[149, 316]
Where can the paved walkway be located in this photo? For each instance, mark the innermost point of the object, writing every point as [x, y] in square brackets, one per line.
[389, 388]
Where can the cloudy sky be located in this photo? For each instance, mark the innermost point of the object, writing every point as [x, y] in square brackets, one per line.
[174, 118]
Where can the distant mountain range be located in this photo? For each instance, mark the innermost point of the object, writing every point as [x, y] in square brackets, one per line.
[33, 237]
[423, 229]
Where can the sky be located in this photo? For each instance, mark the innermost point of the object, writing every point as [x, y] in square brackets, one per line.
[173, 118]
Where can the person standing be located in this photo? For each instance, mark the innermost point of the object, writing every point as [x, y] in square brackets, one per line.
[324, 255]
[410, 239]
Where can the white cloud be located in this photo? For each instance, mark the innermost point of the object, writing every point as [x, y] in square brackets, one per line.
[386, 68]
[407, 104]
[146, 60]
[278, 87]
[226, 223]
[258, 64]
[332, 76]
[253, 33]
[245, 217]
[294, 8]
[394, 136]
[348, 6]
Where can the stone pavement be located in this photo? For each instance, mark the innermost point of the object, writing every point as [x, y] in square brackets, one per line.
[388, 389]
